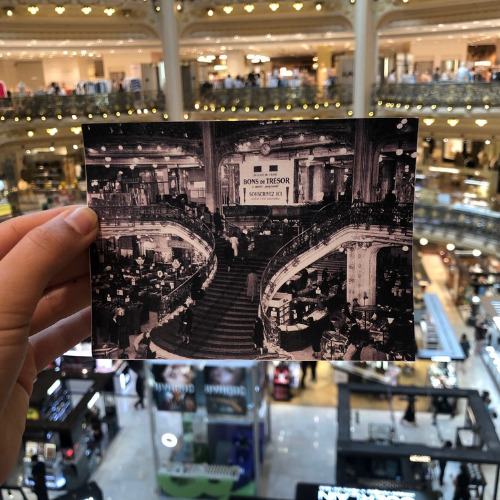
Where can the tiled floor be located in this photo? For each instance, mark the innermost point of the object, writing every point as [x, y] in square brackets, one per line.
[303, 431]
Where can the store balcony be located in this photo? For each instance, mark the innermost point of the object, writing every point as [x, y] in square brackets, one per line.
[310, 101]
[469, 227]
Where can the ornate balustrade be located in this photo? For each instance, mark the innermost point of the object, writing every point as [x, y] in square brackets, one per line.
[268, 98]
[460, 222]
[438, 94]
[327, 222]
[55, 106]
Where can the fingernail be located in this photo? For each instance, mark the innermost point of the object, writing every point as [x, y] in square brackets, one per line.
[83, 220]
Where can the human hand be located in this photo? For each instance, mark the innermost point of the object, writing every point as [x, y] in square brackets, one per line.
[44, 298]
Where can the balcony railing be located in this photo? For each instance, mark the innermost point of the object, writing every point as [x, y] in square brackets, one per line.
[264, 98]
[459, 222]
[137, 215]
[434, 95]
[438, 94]
[55, 106]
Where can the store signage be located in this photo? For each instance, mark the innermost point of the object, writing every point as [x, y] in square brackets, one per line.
[173, 388]
[342, 493]
[266, 183]
[225, 390]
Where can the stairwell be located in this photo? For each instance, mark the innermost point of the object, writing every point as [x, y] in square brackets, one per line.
[223, 319]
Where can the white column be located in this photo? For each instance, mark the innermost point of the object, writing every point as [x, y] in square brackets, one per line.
[364, 57]
[171, 61]
[236, 64]
[362, 271]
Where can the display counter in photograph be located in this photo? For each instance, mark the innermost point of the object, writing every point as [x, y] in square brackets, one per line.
[300, 336]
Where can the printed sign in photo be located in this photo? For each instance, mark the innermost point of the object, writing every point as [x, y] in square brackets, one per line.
[266, 183]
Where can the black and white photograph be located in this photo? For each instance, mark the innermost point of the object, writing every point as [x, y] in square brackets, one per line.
[267, 240]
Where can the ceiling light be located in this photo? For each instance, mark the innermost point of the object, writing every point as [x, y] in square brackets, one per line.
[452, 122]
[33, 9]
[318, 6]
[298, 5]
[424, 241]
[249, 7]
[31, 133]
[227, 9]
[52, 131]
[109, 11]
[86, 10]
[59, 9]
[210, 12]
[481, 123]
[450, 247]
[179, 7]
[429, 121]
[476, 252]
[9, 11]
[274, 6]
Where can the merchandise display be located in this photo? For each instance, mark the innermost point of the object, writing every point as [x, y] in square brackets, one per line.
[71, 421]
[376, 456]
[212, 447]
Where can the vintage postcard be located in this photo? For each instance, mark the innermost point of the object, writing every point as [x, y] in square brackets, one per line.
[253, 239]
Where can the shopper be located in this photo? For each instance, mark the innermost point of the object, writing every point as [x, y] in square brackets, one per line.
[442, 462]
[43, 299]
[409, 415]
[465, 344]
[139, 389]
[258, 335]
[252, 285]
[186, 323]
[305, 366]
[461, 483]
[38, 473]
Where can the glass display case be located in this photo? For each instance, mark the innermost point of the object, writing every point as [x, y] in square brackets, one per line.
[210, 424]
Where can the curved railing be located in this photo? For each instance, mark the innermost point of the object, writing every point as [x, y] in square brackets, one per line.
[55, 106]
[328, 221]
[438, 94]
[462, 221]
[116, 215]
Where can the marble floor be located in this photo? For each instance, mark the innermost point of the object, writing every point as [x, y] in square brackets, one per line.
[303, 431]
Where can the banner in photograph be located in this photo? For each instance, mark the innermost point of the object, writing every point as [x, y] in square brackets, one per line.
[267, 183]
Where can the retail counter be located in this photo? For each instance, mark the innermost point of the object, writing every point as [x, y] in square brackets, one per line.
[299, 336]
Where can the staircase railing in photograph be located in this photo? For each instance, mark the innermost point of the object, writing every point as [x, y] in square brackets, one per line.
[327, 222]
[160, 214]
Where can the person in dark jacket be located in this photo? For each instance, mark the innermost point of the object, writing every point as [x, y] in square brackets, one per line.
[38, 472]
[139, 389]
[186, 323]
[461, 483]
[258, 335]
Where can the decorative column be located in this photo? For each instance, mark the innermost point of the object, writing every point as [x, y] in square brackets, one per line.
[364, 57]
[212, 189]
[171, 61]
[361, 271]
[365, 172]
